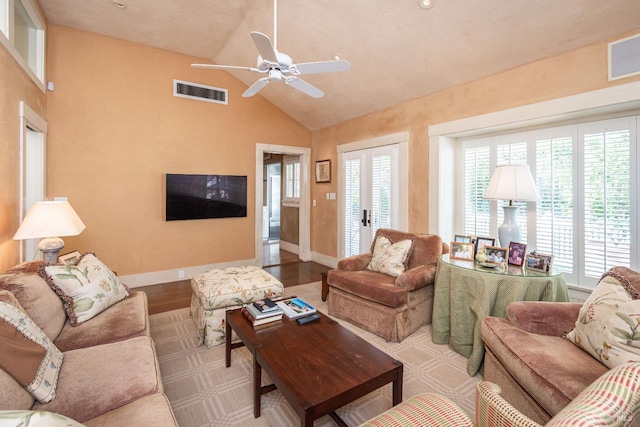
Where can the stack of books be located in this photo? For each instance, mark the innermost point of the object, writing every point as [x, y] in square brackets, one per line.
[262, 312]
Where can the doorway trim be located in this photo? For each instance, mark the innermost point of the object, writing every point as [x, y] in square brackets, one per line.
[304, 231]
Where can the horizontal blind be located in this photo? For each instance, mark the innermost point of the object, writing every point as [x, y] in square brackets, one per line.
[554, 211]
[477, 219]
[381, 192]
[352, 207]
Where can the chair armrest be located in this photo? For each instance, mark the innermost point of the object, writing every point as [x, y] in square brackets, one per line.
[544, 317]
[493, 410]
[417, 277]
[355, 262]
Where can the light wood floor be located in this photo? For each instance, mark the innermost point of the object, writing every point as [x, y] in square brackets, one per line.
[283, 265]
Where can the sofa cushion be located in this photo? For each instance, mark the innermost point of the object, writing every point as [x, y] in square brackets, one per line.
[127, 319]
[152, 410]
[86, 289]
[99, 379]
[370, 285]
[551, 369]
[35, 296]
[28, 355]
[36, 419]
[609, 321]
[390, 258]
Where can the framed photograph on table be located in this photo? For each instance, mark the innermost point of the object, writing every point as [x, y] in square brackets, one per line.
[548, 259]
[536, 263]
[323, 171]
[481, 242]
[517, 253]
[461, 250]
[496, 254]
[70, 258]
[463, 239]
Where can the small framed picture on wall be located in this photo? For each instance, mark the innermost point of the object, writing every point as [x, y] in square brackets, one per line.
[323, 171]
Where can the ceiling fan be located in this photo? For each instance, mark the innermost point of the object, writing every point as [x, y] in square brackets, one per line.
[279, 66]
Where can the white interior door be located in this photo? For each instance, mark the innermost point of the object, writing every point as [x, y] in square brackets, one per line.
[371, 195]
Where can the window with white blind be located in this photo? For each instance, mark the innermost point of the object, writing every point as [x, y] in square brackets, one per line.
[291, 180]
[585, 173]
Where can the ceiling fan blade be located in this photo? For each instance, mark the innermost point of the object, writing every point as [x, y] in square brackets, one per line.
[227, 67]
[265, 48]
[256, 87]
[305, 87]
[321, 67]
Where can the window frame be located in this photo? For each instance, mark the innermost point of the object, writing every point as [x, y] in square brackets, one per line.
[579, 275]
[7, 39]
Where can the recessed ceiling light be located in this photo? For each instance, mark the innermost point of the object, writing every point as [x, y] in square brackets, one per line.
[118, 4]
[426, 4]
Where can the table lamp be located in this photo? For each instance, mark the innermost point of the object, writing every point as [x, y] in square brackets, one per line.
[49, 220]
[511, 182]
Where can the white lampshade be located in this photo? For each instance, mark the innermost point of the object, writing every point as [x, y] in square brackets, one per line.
[512, 182]
[48, 221]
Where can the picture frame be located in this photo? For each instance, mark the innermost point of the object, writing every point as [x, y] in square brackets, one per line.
[482, 242]
[460, 250]
[548, 258]
[323, 171]
[535, 262]
[69, 258]
[517, 253]
[463, 239]
[496, 254]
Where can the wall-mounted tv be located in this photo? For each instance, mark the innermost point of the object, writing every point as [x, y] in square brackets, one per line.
[205, 196]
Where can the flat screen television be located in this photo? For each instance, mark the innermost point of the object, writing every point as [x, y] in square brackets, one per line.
[205, 196]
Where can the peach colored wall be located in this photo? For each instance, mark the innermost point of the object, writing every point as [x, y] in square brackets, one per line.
[575, 72]
[115, 129]
[15, 86]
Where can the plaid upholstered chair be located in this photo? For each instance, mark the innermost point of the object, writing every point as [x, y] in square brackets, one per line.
[611, 400]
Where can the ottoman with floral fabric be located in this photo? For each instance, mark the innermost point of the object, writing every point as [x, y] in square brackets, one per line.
[218, 290]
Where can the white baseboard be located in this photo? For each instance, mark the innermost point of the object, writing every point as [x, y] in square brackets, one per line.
[289, 247]
[157, 277]
[324, 259]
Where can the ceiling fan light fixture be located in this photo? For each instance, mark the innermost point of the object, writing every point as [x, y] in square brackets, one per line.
[426, 4]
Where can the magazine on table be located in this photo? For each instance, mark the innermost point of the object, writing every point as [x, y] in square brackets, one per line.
[296, 307]
[258, 315]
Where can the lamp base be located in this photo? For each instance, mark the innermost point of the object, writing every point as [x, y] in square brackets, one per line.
[50, 248]
[509, 231]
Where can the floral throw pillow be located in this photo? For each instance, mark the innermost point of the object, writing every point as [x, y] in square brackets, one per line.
[390, 258]
[608, 325]
[86, 289]
[28, 355]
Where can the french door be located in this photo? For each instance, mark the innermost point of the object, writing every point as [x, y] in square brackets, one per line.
[370, 195]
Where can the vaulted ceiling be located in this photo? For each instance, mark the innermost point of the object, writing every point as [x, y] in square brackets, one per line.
[398, 50]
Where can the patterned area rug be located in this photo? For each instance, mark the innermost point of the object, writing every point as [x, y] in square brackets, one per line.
[205, 393]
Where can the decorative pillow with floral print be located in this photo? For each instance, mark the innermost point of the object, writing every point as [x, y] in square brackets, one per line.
[608, 326]
[86, 289]
[390, 258]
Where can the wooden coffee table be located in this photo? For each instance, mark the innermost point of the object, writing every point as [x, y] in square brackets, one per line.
[318, 367]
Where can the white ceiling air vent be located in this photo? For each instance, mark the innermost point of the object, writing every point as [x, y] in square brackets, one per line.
[190, 90]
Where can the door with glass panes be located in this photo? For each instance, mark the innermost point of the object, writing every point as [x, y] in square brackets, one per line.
[370, 195]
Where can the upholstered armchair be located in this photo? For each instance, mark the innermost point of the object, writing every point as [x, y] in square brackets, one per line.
[612, 400]
[389, 290]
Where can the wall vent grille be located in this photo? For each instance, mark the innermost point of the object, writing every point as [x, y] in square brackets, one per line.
[190, 90]
[624, 58]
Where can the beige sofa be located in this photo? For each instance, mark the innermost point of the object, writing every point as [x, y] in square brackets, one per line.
[110, 373]
[390, 307]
